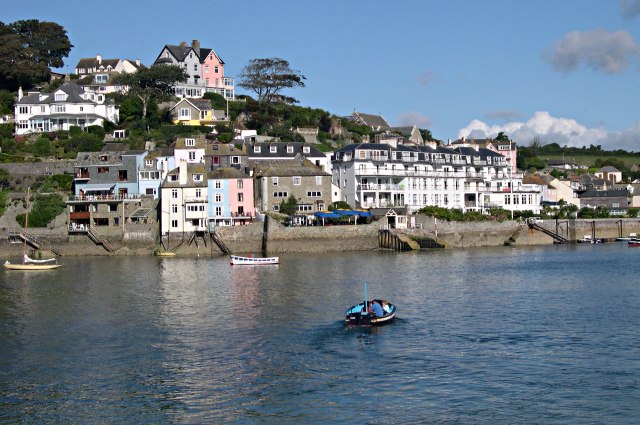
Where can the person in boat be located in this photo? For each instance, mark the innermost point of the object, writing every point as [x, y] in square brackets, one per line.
[386, 307]
[376, 308]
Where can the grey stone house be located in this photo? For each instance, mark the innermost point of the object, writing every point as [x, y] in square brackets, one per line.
[616, 200]
[275, 181]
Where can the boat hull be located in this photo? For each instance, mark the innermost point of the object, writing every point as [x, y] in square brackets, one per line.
[356, 316]
[236, 260]
[165, 254]
[34, 267]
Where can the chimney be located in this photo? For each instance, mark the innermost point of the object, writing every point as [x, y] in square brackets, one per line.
[182, 173]
[137, 62]
[99, 58]
[195, 45]
[20, 93]
[183, 44]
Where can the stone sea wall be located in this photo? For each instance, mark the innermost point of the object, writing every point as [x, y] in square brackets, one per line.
[143, 240]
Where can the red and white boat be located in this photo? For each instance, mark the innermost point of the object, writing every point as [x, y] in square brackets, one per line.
[634, 242]
[236, 260]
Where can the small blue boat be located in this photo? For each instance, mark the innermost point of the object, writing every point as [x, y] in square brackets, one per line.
[359, 315]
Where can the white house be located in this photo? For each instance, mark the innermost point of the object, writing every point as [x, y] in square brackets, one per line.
[68, 106]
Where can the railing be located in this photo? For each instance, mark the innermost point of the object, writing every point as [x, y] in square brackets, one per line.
[110, 197]
[98, 238]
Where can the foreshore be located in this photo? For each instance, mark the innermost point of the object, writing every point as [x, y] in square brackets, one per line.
[143, 239]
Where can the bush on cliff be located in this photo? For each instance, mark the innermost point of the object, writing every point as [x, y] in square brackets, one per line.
[44, 210]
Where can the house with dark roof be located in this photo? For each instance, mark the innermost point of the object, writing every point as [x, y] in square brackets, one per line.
[98, 65]
[69, 105]
[508, 149]
[204, 68]
[275, 151]
[275, 181]
[615, 200]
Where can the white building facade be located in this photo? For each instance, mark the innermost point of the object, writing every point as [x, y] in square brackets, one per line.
[66, 107]
[379, 175]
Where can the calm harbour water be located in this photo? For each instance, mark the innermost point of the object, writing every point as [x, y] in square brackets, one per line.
[497, 335]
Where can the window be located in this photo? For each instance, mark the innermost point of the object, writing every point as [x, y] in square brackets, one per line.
[306, 149]
[240, 197]
[150, 191]
[276, 208]
[60, 97]
[122, 175]
[174, 224]
[305, 207]
[256, 149]
[318, 180]
[103, 170]
[206, 69]
[235, 160]
[198, 193]
[297, 180]
[23, 110]
[174, 193]
[218, 184]
[280, 194]
[218, 198]
[59, 109]
[197, 178]
[274, 181]
[148, 162]
[174, 208]
[218, 211]
[185, 113]
[215, 69]
[189, 142]
[195, 67]
[314, 194]
[273, 149]
[240, 184]
[173, 178]
[289, 149]
[192, 156]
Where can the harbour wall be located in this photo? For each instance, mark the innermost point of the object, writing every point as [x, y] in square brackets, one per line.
[252, 238]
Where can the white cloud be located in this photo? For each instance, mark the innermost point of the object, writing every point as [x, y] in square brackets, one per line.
[414, 117]
[630, 8]
[563, 131]
[600, 50]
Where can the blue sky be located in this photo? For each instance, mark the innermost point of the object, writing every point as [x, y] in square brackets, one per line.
[565, 71]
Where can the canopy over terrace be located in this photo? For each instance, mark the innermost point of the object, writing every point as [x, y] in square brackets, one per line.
[336, 214]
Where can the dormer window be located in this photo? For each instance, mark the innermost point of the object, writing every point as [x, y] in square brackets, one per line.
[289, 149]
[189, 142]
[149, 162]
[256, 149]
[61, 97]
[103, 157]
[197, 177]
[273, 149]
[306, 149]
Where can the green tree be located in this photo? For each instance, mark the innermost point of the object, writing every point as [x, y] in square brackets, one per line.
[289, 206]
[502, 137]
[153, 84]
[267, 77]
[28, 49]
[42, 147]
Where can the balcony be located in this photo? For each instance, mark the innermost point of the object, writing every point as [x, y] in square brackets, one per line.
[79, 199]
[378, 187]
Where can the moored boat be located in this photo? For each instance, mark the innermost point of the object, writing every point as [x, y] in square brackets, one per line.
[361, 315]
[236, 260]
[634, 242]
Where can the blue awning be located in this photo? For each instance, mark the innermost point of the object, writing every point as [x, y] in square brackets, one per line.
[327, 214]
[353, 212]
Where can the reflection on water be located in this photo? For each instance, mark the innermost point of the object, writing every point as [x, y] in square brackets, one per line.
[542, 335]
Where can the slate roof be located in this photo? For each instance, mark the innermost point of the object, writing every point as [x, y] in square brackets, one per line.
[181, 51]
[191, 170]
[605, 193]
[227, 173]
[288, 168]
[608, 169]
[74, 95]
[373, 121]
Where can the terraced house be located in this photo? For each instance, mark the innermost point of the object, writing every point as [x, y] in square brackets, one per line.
[204, 68]
[390, 174]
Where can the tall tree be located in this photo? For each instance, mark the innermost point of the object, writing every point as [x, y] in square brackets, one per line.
[267, 77]
[502, 137]
[152, 84]
[28, 49]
